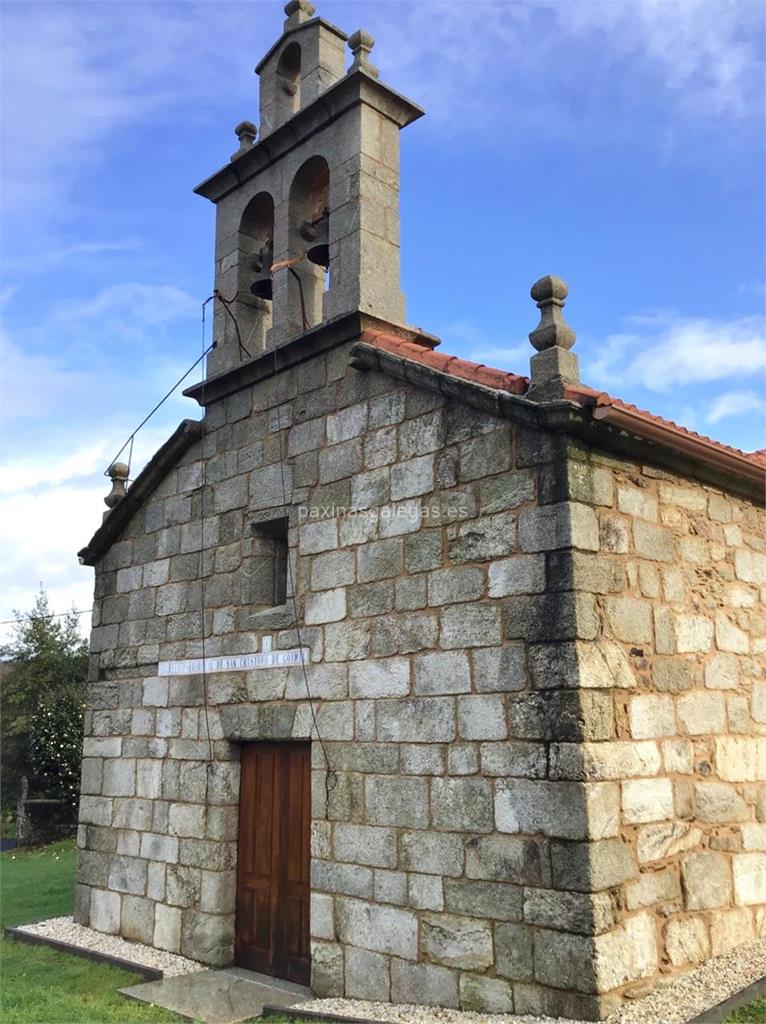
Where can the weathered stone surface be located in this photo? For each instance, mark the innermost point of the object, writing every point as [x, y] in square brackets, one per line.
[442, 672]
[105, 911]
[626, 954]
[654, 887]
[700, 713]
[423, 984]
[506, 859]
[565, 961]
[573, 912]
[567, 809]
[367, 975]
[326, 969]
[485, 995]
[362, 844]
[647, 800]
[396, 800]
[516, 758]
[591, 867]
[720, 803]
[432, 851]
[473, 625]
[462, 805]
[426, 892]
[706, 881]
[729, 929]
[167, 928]
[513, 951]
[128, 874]
[462, 942]
[481, 717]
[137, 921]
[499, 669]
[421, 720]
[655, 842]
[749, 870]
[651, 715]
[349, 879]
[686, 941]
[380, 929]
[386, 677]
[390, 887]
[496, 900]
[603, 761]
[740, 759]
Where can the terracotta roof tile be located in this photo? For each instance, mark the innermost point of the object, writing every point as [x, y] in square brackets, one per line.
[600, 399]
[515, 384]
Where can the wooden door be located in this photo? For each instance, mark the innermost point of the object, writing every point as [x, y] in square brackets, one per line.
[272, 930]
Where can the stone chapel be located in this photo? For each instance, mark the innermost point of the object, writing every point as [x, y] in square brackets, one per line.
[414, 679]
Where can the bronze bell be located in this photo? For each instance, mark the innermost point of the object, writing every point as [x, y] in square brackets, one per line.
[261, 286]
[318, 233]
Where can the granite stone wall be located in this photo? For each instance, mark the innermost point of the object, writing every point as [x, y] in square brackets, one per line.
[678, 583]
[534, 675]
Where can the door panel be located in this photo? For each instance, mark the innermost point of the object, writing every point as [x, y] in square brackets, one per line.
[272, 930]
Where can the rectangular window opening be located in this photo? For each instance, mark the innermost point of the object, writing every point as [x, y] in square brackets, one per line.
[269, 563]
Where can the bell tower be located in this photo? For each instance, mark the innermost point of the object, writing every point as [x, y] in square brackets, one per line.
[307, 209]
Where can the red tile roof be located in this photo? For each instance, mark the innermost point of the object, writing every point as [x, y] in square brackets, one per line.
[603, 406]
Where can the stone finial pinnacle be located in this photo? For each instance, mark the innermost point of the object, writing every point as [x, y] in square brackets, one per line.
[246, 132]
[549, 293]
[297, 12]
[553, 367]
[118, 473]
[361, 43]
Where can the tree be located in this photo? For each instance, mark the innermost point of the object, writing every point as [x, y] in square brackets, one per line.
[42, 697]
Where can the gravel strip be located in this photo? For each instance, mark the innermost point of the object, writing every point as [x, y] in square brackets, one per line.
[675, 1002]
[64, 929]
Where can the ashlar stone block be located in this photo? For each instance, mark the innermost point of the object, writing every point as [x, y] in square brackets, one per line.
[381, 929]
[749, 870]
[481, 717]
[366, 975]
[423, 984]
[485, 995]
[687, 941]
[457, 941]
[105, 911]
[646, 800]
[570, 810]
[462, 805]
[706, 880]
[435, 852]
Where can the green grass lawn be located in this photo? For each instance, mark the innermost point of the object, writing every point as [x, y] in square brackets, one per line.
[753, 1013]
[42, 986]
[39, 985]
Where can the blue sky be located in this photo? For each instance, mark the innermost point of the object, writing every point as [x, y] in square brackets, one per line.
[617, 144]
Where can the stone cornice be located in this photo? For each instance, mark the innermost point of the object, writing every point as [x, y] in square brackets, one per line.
[351, 90]
[319, 339]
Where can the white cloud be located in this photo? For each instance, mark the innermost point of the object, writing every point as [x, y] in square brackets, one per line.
[46, 259]
[467, 338]
[736, 403]
[131, 305]
[553, 64]
[75, 79]
[74, 85]
[665, 351]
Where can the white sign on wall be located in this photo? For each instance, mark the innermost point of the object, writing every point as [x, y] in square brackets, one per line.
[234, 662]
